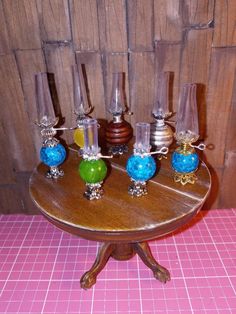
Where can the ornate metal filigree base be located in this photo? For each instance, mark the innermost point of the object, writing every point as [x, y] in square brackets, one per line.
[185, 178]
[93, 191]
[118, 149]
[54, 173]
[137, 188]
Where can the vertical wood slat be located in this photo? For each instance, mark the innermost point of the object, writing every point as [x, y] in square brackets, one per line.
[194, 68]
[140, 28]
[59, 61]
[116, 63]
[7, 175]
[197, 13]
[213, 200]
[10, 200]
[167, 20]
[167, 59]
[29, 63]
[112, 25]
[225, 27]
[5, 45]
[22, 23]
[84, 22]
[228, 195]
[54, 20]
[231, 129]
[222, 69]
[93, 69]
[141, 73]
[14, 116]
[195, 57]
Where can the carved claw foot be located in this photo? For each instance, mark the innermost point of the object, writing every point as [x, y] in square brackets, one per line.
[161, 274]
[144, 252]
[87, 280]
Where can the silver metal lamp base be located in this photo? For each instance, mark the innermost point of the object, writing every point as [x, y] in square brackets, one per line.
[54, 173]
[137, 188]
[161, 135]
[118, 149]
[93, 191]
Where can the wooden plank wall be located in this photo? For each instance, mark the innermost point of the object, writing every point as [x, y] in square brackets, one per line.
[194, 39]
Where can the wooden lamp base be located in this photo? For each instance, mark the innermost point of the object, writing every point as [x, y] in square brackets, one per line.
[118, 135]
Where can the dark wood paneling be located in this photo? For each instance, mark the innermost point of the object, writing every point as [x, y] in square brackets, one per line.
[5, 45]
[167, 20]
[54, 20]
[22, 23]
[225, 29]
[14, 117]
[219, 101]
[141, 71]
[140, 25]
[84, 22]
[112, 25]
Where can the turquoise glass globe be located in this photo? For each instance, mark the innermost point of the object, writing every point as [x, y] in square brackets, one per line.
[141, 168]
[53, 156]
[184, 163]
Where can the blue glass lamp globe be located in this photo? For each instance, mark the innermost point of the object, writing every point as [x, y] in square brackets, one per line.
[141, 168]
[53, 156]
[184, 163]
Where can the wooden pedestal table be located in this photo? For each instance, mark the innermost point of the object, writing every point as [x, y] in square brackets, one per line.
[124, 224]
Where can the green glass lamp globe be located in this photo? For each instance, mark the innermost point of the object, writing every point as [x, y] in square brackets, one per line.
[92, 171]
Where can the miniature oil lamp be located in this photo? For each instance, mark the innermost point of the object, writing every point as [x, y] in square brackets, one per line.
[81, 107]
[185, 160]
[141, 166]
[118, 131]
[52, 152]
[92, 169]
[161, 133]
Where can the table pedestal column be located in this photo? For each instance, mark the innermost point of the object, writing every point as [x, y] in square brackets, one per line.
[120, 251]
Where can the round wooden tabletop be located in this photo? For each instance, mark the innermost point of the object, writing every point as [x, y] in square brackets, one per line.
[118, 217]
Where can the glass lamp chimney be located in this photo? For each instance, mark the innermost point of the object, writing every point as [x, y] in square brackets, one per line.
[117, 97]
[161, 105]
[91, 147]
[142, 142]
[45, 109]
[79, 92]
[187, 130]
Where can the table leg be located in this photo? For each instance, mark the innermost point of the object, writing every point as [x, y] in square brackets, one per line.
[89, 278]
[123, 251]
[144, 252]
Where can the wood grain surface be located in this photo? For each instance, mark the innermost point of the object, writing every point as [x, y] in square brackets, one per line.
[118, 216]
